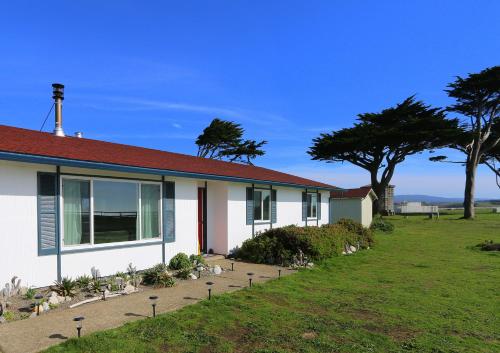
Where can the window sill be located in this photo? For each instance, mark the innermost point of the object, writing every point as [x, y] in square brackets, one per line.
[109, 246]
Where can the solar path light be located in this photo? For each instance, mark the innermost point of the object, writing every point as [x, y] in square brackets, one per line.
[154, 300]
[250, 275]
[210, 284]
[79, 324]
[38, 297]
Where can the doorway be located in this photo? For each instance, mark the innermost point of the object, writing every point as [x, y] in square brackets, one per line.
[202, 220]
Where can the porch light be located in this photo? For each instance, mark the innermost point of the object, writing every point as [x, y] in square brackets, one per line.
[154, 300]
[279, 272]
[79, 324]
[250, 274]
[210, 284]
[38, 297]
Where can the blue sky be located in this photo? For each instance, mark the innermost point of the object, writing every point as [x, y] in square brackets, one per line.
[156, 73]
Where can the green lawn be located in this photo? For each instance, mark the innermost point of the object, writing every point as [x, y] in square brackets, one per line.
[421, 289]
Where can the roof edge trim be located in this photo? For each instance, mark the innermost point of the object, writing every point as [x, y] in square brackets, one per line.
[31, 158]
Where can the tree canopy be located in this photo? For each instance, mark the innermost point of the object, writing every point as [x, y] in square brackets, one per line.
[378, 142]
[224, 140]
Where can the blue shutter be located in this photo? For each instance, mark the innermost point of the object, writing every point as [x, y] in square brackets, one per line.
[168, 211]
[249, 206]
[273, 206]
[47, 214]
[304, 206]
[319, 206]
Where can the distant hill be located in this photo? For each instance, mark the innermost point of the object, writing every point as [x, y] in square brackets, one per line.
[429, 199]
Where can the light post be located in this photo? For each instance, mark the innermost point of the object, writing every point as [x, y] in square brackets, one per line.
[250, 274]
[232, 266]
[279, 272]
[38, 297]
[154, 301]
[79, 324]
[104, 287]
[210, 284]
[199, 268]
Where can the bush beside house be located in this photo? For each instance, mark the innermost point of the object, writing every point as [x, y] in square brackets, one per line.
[280, 245]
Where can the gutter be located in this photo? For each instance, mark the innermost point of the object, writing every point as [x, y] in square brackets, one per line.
[31, 158]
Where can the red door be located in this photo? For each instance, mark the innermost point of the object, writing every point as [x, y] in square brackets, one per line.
[200, 220]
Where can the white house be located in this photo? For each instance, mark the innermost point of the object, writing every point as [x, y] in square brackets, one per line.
[353, 204]
[69, 203]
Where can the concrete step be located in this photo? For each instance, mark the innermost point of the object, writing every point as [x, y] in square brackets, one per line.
[213, 257]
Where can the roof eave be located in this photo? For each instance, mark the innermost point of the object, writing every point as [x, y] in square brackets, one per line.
[38, 159]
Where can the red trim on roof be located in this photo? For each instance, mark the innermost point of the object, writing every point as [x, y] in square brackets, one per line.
[24, 141]
[351, 193]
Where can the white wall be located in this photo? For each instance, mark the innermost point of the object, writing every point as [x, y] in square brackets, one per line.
[289, 211]
[19, 230]
[217, 216]
[366, 211]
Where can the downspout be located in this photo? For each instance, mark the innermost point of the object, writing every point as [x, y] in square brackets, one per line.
[58, 225]
[271, 197]
[253, 208]
[306, 207]
[317, 198]
[163, 219]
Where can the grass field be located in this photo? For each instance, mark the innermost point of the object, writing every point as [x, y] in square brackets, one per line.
[423, 288]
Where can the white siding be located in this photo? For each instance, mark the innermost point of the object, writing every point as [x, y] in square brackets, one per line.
[359, 210]
[217, 213]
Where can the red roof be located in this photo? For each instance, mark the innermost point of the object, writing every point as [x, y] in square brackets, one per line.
[351, 193]
[31, 142]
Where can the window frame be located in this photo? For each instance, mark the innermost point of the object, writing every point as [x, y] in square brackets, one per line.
[262, 220]
[315, 195]
[92, 244]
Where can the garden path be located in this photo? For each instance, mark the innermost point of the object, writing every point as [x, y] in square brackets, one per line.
[35, 334]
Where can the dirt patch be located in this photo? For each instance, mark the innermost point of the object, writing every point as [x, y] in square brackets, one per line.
[309, 335]
[397, 333]
[365, 315]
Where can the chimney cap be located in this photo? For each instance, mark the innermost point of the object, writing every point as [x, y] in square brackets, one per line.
[58, 90]
[79, 134]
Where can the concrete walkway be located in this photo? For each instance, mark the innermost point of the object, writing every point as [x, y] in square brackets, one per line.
[33, 335]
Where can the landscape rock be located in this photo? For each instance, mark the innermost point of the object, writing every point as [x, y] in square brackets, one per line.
[45, 306]
[53, 300]
[23, 291]
[310, 265]
[217, 270]
[344, 253]
[33, 315]
[60, 299]
[352, 248]
[193, 276]
[129, 289]
[2, 320]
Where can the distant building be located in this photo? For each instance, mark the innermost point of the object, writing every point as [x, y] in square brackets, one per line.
[355, 204]
[387, 200]
[417, 207]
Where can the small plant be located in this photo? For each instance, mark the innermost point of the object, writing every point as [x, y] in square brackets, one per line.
[122, 275]
[183, 274]
[52, 306]
[8, 315]
[113, 287]
[30, 293]
[179, 262]
[134, 277]
[158, 276]
[382, 225]
[95, 273]
[96, 285]
[197, 260]
[83, 281]
[65, 288]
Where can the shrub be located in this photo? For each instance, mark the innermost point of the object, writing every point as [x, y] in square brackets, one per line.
[489, 245]
[279, 245]
[96, 285]
[197, 260]
[179, 262]
[382, 225]
[65, 288]
[364, 235]
[30, 293]
[183, 274]
[158, 276]
[83, 281]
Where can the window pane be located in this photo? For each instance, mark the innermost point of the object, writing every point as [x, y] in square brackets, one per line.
[150, 211]
[115, 211]
[309, 208]
[266, 205]
[257, 202]
[76, 209]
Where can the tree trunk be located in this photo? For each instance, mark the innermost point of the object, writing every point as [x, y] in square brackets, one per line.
[379, 190]
[470, 180]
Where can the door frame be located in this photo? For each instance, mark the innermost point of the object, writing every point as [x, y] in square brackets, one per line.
[202, 220]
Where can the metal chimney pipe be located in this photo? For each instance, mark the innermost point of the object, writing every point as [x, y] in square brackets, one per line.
[58, 96]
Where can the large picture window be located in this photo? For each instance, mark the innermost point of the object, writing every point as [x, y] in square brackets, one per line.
[262, 205]
[101, 211]
[312, 205]
[76, 194]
